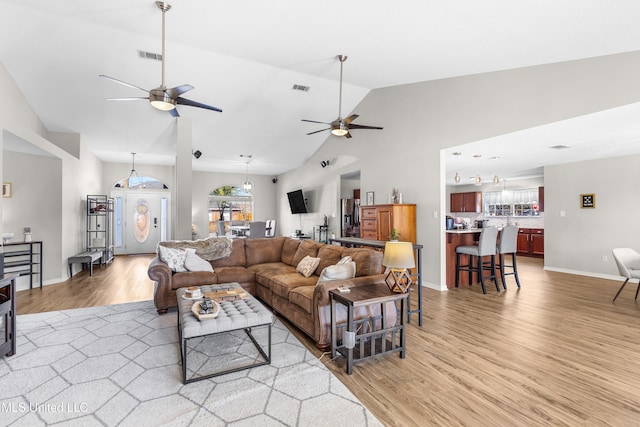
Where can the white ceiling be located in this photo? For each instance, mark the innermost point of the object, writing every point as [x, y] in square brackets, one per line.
[245, 56]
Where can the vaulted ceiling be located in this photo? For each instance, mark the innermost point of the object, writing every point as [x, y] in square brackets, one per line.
[245, 57]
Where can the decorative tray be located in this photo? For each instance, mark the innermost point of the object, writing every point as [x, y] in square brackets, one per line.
[195, 309]
[227, 295]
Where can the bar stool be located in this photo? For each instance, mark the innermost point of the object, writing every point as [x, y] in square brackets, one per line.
[508, 245]
[486, 247]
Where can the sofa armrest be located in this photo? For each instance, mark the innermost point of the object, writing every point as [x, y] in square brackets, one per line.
[161, 274]
[322, 305]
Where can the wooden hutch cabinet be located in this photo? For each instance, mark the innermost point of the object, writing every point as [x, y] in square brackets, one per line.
[377, 221]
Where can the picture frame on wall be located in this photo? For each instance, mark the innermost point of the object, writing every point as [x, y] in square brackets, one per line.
[369, 197]
[588, 201]
[6, 189]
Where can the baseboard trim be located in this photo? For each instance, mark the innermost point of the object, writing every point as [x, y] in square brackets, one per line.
[584, 273]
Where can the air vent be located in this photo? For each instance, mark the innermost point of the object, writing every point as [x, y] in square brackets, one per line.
[301, 87]
[149, 55]
[559, 147]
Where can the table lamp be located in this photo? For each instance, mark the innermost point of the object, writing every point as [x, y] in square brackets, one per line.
[398, 256]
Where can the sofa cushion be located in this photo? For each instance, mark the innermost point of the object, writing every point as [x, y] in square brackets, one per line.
[283, 283]
[235, 274]
[260, 251]
[302, 296]
[329, 255]
[289, 249]
[173, 257]
[266, 272]
[338, 272]
[237, 257]
[307, 266]
[194, 263]
[306, 248]
[368, 261]
[193, 278]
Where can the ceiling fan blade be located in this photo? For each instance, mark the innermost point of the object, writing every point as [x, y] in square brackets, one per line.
[351, 118]
[347, 135]
[133, 98]
[313, 121]
[185, 101]
[175, 92]
[364, 127]
[174, 112]
[123, 83]
[321, 130]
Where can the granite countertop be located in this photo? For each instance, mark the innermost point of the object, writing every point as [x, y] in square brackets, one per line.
[463, 231]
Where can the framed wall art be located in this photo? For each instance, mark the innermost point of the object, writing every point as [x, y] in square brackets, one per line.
[587, 200]
[369, 197]
[6, 189]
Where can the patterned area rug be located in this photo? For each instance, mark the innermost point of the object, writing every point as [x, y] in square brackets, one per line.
[119, 365]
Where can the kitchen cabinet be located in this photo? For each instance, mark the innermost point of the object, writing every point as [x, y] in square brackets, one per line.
[541, 198]
[377, 221]
[466, 202]
[531, 242]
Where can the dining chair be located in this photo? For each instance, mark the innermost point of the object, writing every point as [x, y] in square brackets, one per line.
[628, 262]
[508, 245]
[257, 229]
[486, 247]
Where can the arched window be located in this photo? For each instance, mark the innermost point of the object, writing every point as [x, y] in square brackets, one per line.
[229, 203]
[140, 182]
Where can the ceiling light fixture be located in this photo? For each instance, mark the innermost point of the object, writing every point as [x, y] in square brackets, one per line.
[457, 177]
[158, 97]
[133, 175]
[247, 184]
[477, 180]
[496, 180]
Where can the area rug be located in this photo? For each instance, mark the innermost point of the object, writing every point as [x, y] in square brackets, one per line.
[119, 365]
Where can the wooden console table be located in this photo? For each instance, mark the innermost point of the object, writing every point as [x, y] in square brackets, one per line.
[379, 244]
[8, 314]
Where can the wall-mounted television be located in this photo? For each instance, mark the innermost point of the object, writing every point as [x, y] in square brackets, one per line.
[296, 202]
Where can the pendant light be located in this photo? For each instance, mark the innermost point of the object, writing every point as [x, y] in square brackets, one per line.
[133, 175]
[477, 180]
[457, 177]
[247, 184]
[496, 180]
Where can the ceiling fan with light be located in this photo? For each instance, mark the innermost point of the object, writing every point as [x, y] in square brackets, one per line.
[163, 98]
[340, 126]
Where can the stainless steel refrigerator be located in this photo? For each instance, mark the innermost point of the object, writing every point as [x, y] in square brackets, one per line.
[350, 218]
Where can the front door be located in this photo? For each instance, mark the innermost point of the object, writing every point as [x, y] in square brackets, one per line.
[142, 220]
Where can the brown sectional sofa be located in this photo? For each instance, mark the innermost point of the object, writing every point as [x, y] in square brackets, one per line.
[266, 268]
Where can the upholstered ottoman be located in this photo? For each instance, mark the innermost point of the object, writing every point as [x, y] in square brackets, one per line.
[226, 343]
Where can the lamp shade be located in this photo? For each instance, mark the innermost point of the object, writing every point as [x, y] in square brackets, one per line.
[398, 255]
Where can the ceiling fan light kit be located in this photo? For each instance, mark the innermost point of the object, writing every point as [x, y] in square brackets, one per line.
[340, 126]
[163, 98]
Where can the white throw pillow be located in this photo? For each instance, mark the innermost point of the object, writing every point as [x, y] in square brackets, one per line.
[344, 260]
[194, 263]
[174, 258]
[339, 271]
[307, 265]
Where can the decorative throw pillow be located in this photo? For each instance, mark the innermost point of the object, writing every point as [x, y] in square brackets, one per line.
[345, 260]
[307, 265]
[194, 263]
[174, 258]
[344, 271]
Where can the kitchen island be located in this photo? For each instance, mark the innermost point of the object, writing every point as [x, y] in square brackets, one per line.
[457, 238]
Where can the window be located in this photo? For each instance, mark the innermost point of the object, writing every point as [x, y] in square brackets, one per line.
[229, 203]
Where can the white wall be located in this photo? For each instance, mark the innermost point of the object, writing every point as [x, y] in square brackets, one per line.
[577, 241]
[422, 119]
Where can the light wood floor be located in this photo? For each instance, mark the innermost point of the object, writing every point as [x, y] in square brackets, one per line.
[556, 352]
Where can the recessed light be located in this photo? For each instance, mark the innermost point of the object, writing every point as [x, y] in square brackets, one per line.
[495, 158]
[559, 147]
[301, 87]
